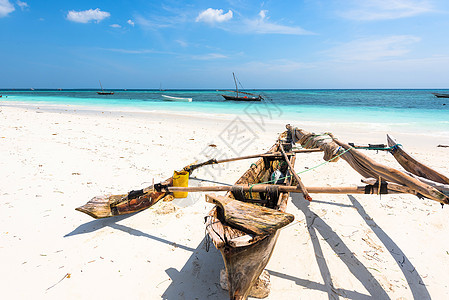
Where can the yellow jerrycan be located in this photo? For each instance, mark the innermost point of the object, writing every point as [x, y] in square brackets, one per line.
[180, 178]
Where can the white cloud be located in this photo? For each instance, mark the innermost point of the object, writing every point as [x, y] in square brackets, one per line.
[115, 26]
[130, 22]
[85, 16]
[182, 43]
[22, 5]
[211, 15]
[262, 26]
[371, 10]
[5, 8]
[368, 49]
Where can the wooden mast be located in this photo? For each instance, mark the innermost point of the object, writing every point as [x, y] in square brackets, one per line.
[101, 85]
[236, 87]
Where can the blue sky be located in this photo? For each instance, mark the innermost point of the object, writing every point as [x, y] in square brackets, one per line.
[198, 44]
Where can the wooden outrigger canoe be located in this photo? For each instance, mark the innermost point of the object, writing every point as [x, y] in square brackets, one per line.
[244, 224]
[247, 249]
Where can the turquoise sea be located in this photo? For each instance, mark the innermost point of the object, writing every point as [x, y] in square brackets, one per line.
[393, 107]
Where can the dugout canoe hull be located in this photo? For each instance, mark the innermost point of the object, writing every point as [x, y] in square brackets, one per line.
[246, 255]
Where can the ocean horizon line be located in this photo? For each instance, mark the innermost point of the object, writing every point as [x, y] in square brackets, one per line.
[217, 89]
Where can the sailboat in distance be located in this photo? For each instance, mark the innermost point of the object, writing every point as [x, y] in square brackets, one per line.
[103, 92]
[244, 96]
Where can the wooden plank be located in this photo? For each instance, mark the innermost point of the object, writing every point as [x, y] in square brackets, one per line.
[251, 218]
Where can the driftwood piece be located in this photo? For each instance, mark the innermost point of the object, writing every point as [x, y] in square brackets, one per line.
[249, 217]
[410, 164]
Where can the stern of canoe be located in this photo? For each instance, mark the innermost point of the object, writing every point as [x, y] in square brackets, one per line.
[246, 255]
[245, 264]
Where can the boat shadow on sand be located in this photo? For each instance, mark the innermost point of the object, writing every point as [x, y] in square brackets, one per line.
[197, 279]
[316, 225]
[97, 224]
[200, 274]
[111, 222]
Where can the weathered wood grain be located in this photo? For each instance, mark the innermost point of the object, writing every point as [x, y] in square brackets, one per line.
[410, 164]
[249, 217]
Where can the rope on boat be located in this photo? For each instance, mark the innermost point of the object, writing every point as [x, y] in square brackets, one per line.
[319, 165]
[251, 190]
[392, 148]
[207, 239]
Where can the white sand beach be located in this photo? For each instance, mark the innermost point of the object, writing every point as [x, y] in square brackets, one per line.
[339, 246]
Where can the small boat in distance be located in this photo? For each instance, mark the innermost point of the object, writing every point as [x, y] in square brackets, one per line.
[179, 99]
[237, 97]
[244, 98]
[438, 95]
[103, 92]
